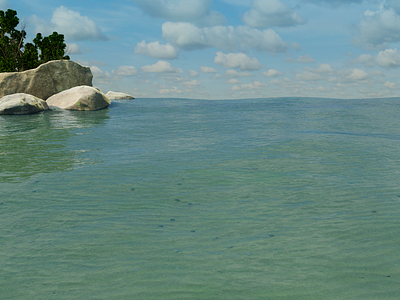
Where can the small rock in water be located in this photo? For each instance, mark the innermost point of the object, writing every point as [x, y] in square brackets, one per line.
[172, 219]
[271, 235]
[132, 189]
[192, 230]
[189, 203]
[230, 247]
[214, 237]
[373, 211]
[160, 225]
[177, 200]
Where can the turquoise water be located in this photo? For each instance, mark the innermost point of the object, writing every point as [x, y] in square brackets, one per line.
[286, 198]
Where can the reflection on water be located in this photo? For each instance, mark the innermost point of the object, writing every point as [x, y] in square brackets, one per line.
[38, 143]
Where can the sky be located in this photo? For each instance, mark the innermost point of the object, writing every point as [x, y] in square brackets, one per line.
[227, 49]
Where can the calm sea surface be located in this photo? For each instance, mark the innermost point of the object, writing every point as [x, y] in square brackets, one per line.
[285, 198]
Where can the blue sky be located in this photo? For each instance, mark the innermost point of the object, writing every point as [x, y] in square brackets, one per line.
[226, 49]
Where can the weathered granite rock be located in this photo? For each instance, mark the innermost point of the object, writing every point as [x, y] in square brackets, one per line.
[46, 80]
[21, 104]
[115, 95]
[80, 98]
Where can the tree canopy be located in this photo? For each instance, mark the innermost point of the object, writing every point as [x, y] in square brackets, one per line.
[16, 56]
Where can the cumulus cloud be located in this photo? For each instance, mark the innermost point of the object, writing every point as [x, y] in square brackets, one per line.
[169, 91]
[192, 83]
[270, 13]
[357, 74]
[193, 11]
[99, 74]
[233, 81]
[193, 73]
[237, 60]
[190, 37]
[208, 70]
[390, 58]
[301, 59]
[73, 48]
[73, 25]
[378, 28]
[156, 50]
[390, 85]
[125, 71]
[236, 74]
[296, 46]
[308, 76]
[322, 68]
[160, 67]
[271, 73]
[334, 3]
[256, 85]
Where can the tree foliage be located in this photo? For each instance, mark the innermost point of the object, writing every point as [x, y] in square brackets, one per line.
[15, 55]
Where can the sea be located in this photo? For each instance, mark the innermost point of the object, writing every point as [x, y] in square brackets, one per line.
[277, 198]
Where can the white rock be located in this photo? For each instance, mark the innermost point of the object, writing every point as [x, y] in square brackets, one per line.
[80, 98]
[21, 104]
[115, 95]
[46, 80]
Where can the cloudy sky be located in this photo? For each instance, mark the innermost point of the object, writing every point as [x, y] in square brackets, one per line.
[223, 49]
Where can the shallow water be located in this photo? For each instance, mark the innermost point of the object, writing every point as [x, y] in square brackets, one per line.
[285, 198]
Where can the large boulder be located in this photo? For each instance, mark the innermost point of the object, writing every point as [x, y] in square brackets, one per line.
[46, 80]
[21, 104]
[80, 98]
[115, 95]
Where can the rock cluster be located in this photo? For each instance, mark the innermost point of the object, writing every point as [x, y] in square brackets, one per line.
[46, 80]
[115, 95]
[21, 104]
[80, 98]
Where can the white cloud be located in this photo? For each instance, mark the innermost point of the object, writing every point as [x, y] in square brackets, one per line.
[308, 76]
[256, 85]
[390, 58]
[208, 70]
[192, 83]
[296, 46]
[160, 67]
[169, 91]
[301, 59]
[366, 59]
[125, 71]
[156, 50]
[237, 60]
[270, 13]
[390, 85]
[322, 68]
[189, 37]
[233, 81]
[193, 73]
[272, 73]
[378, 28]
[175, 10]
[73, 48]
[192, 11]
[236, 74]
[98, 73]
[357, 74]
[70, 23]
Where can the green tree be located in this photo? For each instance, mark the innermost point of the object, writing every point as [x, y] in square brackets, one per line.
[17, 56]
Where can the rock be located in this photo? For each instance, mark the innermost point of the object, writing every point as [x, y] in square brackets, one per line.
[80, 98]
[115, 95]
[46, 80]
[21, 104]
